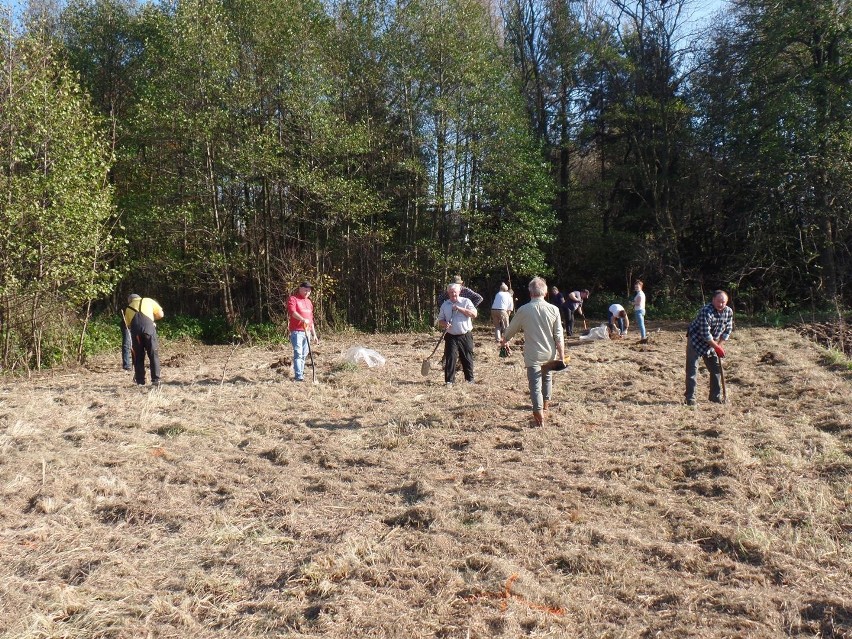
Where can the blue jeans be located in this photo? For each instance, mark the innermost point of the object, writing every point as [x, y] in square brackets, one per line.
[299, 340]
[616, 320]
[640, 322]
[541, 386]
[713, 367]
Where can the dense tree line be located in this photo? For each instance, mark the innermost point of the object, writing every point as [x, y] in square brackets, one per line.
[215, 152]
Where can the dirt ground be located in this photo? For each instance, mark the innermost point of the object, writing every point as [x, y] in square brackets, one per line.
[233, 502]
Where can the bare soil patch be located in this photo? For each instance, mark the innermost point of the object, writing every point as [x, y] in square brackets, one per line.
[233, 502]
[836, 334]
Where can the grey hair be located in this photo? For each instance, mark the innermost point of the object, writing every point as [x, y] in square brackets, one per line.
[131, 297]
[538, 287]
[454, 285]
[503, 287]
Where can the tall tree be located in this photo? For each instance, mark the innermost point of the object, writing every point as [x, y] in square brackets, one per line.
[782, 135]
[56, 215]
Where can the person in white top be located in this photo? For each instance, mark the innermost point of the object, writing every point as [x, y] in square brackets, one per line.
[617, 317]
[502, 306]
[455, 317]
[639, 310]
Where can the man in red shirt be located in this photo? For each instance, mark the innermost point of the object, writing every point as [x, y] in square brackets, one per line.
[301, 326]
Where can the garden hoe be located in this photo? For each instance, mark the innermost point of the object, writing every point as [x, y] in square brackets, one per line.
[722, 376]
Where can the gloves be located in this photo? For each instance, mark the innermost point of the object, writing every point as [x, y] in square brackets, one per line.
[720, 352]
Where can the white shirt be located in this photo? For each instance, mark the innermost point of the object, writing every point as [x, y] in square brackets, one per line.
[615, 309]
[459, 322]
[503, 301]
[639, 301]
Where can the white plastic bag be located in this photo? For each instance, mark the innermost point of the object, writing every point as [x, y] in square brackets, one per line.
[598, 332]
[359, 354]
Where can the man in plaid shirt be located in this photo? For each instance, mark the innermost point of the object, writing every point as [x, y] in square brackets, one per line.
[711, 327]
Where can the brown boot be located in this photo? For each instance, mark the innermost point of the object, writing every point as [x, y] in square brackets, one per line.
[538, 418]
[546, 404]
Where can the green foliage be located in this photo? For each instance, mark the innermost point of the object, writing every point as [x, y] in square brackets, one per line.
[378, 148]
[211, 330]
[786, 128]
[103, 334]
[838, 359]
[266, 333]
[56, 217]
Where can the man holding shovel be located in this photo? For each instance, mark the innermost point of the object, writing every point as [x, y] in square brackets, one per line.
[574, 304]
[301, 326]
[704, 337]
[543, 342]
[455, 318]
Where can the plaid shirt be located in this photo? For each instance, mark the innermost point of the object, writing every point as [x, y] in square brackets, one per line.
[710, 324]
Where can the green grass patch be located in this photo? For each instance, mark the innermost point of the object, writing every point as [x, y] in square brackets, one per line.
[836, 359]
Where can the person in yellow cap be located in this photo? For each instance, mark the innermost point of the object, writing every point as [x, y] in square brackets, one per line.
[141, 315]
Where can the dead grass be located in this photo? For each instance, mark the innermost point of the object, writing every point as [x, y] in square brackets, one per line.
[233, 502]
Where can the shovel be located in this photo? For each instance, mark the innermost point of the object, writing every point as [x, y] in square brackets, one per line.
[426, 366]
[722, 376]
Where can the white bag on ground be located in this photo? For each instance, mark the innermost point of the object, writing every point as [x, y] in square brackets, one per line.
[359, 354]
[598, 332]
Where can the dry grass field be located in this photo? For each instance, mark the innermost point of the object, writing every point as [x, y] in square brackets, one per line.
[232, 502]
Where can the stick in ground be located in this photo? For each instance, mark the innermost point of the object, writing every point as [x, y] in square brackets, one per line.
[311, 355]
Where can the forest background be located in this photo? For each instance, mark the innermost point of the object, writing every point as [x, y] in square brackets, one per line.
[213, 153]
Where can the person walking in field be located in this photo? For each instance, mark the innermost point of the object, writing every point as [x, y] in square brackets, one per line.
[300, 311]
[711, 327]
[456, 319]
[639, 310]
[543, 342]
[141, 315]
[617, 320]
[502, 306]
[574, 304]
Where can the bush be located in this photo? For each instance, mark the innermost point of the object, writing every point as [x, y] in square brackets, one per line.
[103, 334]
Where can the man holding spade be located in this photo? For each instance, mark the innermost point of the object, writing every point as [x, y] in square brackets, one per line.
[704, 337]
[544, 349]
[455, 318]
[301, 326]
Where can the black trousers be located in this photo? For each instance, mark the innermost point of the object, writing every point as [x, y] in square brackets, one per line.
[458, 347]
[569, 320]
[144, 336]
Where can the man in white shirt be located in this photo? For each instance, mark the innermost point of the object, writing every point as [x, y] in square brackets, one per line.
[456, 318]
[617, 320]
[501, 308]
